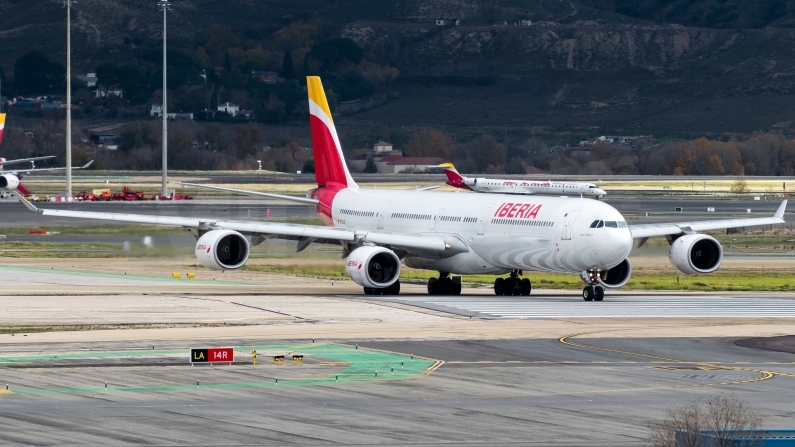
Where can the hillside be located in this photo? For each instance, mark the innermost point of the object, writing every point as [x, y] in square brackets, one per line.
[578, 70]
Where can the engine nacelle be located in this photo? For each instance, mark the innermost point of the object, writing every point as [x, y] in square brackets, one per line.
[9, 181]
[222, 250]
[696, 253]
[376, 267]
[617, 276]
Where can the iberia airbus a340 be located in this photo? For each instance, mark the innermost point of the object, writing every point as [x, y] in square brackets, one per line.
[451, 233]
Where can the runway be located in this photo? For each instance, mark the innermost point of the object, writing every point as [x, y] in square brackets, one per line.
[405, 370]
[622, 305]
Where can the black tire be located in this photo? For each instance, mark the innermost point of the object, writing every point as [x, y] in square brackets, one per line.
[499, 286]
[587, 293]
[456, 289]
[600, 293]
[526, 287]
[394, 289]
[432, 286]
[369, 291]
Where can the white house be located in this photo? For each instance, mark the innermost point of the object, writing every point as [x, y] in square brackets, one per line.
[89, 78]
[382, 146]
[110, 93]
[229, 108]
[156, 110]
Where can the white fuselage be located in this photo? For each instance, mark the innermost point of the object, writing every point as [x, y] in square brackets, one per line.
[533, 187]
[503, 232]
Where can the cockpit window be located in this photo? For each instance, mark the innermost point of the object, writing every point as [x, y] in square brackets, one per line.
[611, 224]
[594, 224]
[600, 224]
[591, 187]
[622, 224]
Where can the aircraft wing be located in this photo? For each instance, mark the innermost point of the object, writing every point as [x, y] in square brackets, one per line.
[28, 171]
[411, 243]
[28, 160]
[664, 229]
[305, 200]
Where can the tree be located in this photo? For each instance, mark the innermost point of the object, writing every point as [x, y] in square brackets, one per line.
[247, 139]
[288, 70]
[722, 417]
[332, 53]
[739, 186]
[486, 151]
[309, 167]
[34, 73]
[227, 62]
[370, 167]
[430, 143]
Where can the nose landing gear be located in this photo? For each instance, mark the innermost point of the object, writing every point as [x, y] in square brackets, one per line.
[593, 293]
[444, 285]
[512, 285]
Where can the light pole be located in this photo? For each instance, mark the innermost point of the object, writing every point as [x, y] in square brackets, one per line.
[166, 6]
[68, 4]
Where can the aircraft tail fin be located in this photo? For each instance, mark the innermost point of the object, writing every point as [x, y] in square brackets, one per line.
[330, 167]
[2, 126]
[453, 177]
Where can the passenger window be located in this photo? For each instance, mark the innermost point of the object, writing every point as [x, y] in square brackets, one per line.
[611, 224]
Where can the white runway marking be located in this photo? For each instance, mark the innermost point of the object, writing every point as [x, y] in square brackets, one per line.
[613, 307]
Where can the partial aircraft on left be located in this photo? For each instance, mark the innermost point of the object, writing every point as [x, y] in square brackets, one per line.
[10, 179]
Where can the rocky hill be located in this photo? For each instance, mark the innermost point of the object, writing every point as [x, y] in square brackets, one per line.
[576, 70]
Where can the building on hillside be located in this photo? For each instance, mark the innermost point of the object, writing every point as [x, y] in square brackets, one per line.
[114, 92]
[268, 77]
[245, 114]
[443, 22]
[89, 78]
[229, 108]
[382, 146]
[156, 110]
[179, 116]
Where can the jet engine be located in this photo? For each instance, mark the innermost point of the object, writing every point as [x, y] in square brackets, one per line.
[9, 181]
[613, 278]
[222, 250]
[375, 267]
[696, 253]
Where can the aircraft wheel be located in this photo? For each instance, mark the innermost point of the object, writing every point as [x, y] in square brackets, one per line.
[526, 287]
[369, 291]
[600, 293]
[499, 286]
[456, 289]
[432, 286]
[588, 293]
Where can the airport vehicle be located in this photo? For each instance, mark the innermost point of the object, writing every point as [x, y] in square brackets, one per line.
[86, 196]
[489, 185]
[450, 233]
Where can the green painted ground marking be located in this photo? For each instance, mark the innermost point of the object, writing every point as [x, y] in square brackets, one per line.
[119, 275]
[362, 364]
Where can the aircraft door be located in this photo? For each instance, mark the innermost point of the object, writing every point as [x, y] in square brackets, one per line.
[568, 222]
[382, 215]
[438, 216]
[484, 219]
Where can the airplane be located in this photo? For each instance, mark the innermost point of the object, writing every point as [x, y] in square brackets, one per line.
[380, 230]
[10, 179]
[519, 186]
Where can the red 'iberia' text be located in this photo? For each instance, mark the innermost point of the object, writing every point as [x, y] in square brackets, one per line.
[518, 211]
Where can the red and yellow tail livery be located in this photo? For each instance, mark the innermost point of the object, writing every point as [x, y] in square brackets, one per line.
[2, 126]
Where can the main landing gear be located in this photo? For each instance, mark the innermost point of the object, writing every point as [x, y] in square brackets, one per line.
[444, 285]
[394, 289]
[512, 285]
[593, 292]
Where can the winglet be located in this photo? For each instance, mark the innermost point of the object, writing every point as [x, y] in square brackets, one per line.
[27, 204]
[88, 164]
[780, 211]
